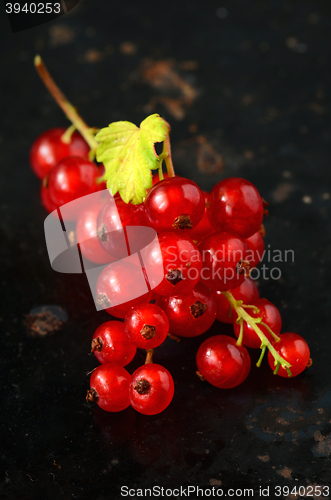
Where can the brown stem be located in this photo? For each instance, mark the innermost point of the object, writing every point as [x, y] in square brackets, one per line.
[167, 152]
[68, 109]
[149, 356]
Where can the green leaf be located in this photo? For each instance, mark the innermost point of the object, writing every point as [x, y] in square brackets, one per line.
[128, 154]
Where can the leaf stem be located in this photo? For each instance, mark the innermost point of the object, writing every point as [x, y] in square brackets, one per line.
[253, 324]
[167, 153]
[68, 109]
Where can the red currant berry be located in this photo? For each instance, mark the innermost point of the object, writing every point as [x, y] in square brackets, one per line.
[174, 264]
[49, 148]
[224, 261]
[174, 203]
[110, 344]
[192, 314]
[235, 207]
[146, 326]
[222, 362]
[255, 245]
[294, 349]
[270, 316]
[152, 389]
[248, 292]
[70, 179]
[120, 286]
[86, 231]
[204, 228]
[112, 220]
[109, 387]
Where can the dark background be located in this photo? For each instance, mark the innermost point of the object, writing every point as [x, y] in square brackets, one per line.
[249, 81]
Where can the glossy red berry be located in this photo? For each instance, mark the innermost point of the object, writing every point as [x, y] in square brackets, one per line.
[270, 316]
[49, 148]
[72, 178]
[174, 204]
[146, 326]
[235, 207]
[204, 228]
[112, 220]
[109, 387]
[255, 245]
[174, 264]
[120, 286]
[224, 261]
[110, 344]
[191, 314]
[86, 232]
[222, 362]
[294, 349]
[248, 292]
[152, 389]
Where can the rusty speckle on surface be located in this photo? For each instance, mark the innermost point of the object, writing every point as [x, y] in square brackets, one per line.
[249, 155]
[264, 458]
[215, 482]
[209, 161]
[282, 192]
[163, 76]
[93, 56]
[60, 34]
[44, 320]
[128, 48]
[323, 446]
[286, 472]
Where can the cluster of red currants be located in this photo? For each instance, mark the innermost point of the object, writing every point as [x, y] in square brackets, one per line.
[197, 270]
[61, 161]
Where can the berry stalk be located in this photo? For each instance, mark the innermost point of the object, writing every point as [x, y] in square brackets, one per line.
[244, 316]
[68, 109]
[149, 356]
[166, 153]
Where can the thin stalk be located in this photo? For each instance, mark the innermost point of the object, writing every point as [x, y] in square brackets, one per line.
[66, 137]
[68, 109]
[166, 153]
[149, 356]
[253, 324]
[241, 332]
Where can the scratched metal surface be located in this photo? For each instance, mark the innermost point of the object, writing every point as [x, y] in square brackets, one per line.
[246, 82]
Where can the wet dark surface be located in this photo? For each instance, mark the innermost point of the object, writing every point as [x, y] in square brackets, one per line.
[249, 81]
